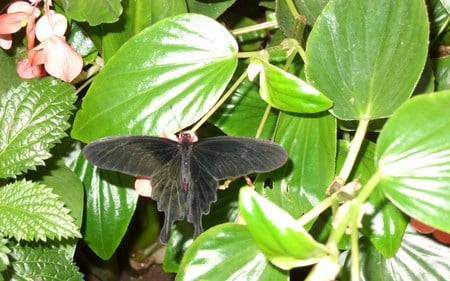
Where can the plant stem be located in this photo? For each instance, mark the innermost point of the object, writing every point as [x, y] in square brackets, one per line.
[220, 102]
[263, 121]
[354, 150]
[316, 211]
[354, 243]
[369, 187]
[256, 27]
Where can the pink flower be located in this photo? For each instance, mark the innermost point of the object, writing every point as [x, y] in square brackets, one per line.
[27, 71]
[19, 14]
[59, 59]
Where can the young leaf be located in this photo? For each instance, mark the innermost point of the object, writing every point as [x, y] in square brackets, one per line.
[33, 117]
[358, 51]
[239, 257]
[413, 157]
[40, 263]
[30, 211]
[285, 91]
[279, 236]
[163, 79]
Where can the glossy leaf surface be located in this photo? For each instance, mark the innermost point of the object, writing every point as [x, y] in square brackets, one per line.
[163, 79]
[413, 156]
[279, 236]
[227, 252]
[285, 91]
[358, 51]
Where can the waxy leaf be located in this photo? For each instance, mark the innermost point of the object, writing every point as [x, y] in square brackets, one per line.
[419, 258]
[32, 212]
[94, 12]
[41, 263]
[383, 223]
[413, 157]
[279, 236]
[358, 51]
[33, 117]
[163, 79]
[285, 91]
[227, 252]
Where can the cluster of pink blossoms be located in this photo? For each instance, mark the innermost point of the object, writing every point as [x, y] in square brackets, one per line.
[53, 55]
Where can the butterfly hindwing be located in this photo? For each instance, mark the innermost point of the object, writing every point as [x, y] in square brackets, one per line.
[228, 157]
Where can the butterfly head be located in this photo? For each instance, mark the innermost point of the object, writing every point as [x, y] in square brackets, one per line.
[187, 137]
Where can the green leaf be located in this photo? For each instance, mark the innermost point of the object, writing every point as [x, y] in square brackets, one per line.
[33, 212]
[110, 204]
[310, 141]
[33, 117]
[163, 79]
[419, 258]
[227, 252]
[210, 8]
[9, 77]
[41, 263]
[285, 91]
[94, 12]
[4, 259]
[358, 51]
[441, 67]
[413, 157]
[383, 223]
[68, 186]
[244, 104]
[279, 236]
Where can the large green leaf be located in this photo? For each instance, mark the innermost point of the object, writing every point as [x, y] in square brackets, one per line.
[358, 53]
[163, 79]
[383, 223]
[94, 12]
[227, 252]
[33, 117]
[413, 156]
[419, 258]
[310, 141]
[31, 211]
[41, 263]
[280, 237]
[110, 203]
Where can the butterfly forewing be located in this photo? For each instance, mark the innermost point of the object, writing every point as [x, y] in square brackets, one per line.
[134, 155]
[228, 157]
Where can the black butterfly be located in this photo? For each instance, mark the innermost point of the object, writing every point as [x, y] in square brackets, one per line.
[184, 175]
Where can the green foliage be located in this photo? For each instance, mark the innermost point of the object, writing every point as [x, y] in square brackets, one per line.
[342, 202]
[38, 212]
[33, 118]
[41, 263]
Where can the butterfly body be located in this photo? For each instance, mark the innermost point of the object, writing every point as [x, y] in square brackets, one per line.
[184, 174]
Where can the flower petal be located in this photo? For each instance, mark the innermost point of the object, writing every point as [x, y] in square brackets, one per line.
[61, 60]
[51, 24]
[26, 71]
[10, 23]
[5, 41]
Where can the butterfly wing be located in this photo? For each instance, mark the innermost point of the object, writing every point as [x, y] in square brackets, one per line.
[144, 156]
[228, 157]
[139, 156]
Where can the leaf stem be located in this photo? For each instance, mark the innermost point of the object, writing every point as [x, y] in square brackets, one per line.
[355, 243]
[228, 93]
[354, 150]
[316, 211]
[256, 27]
[263, 121]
